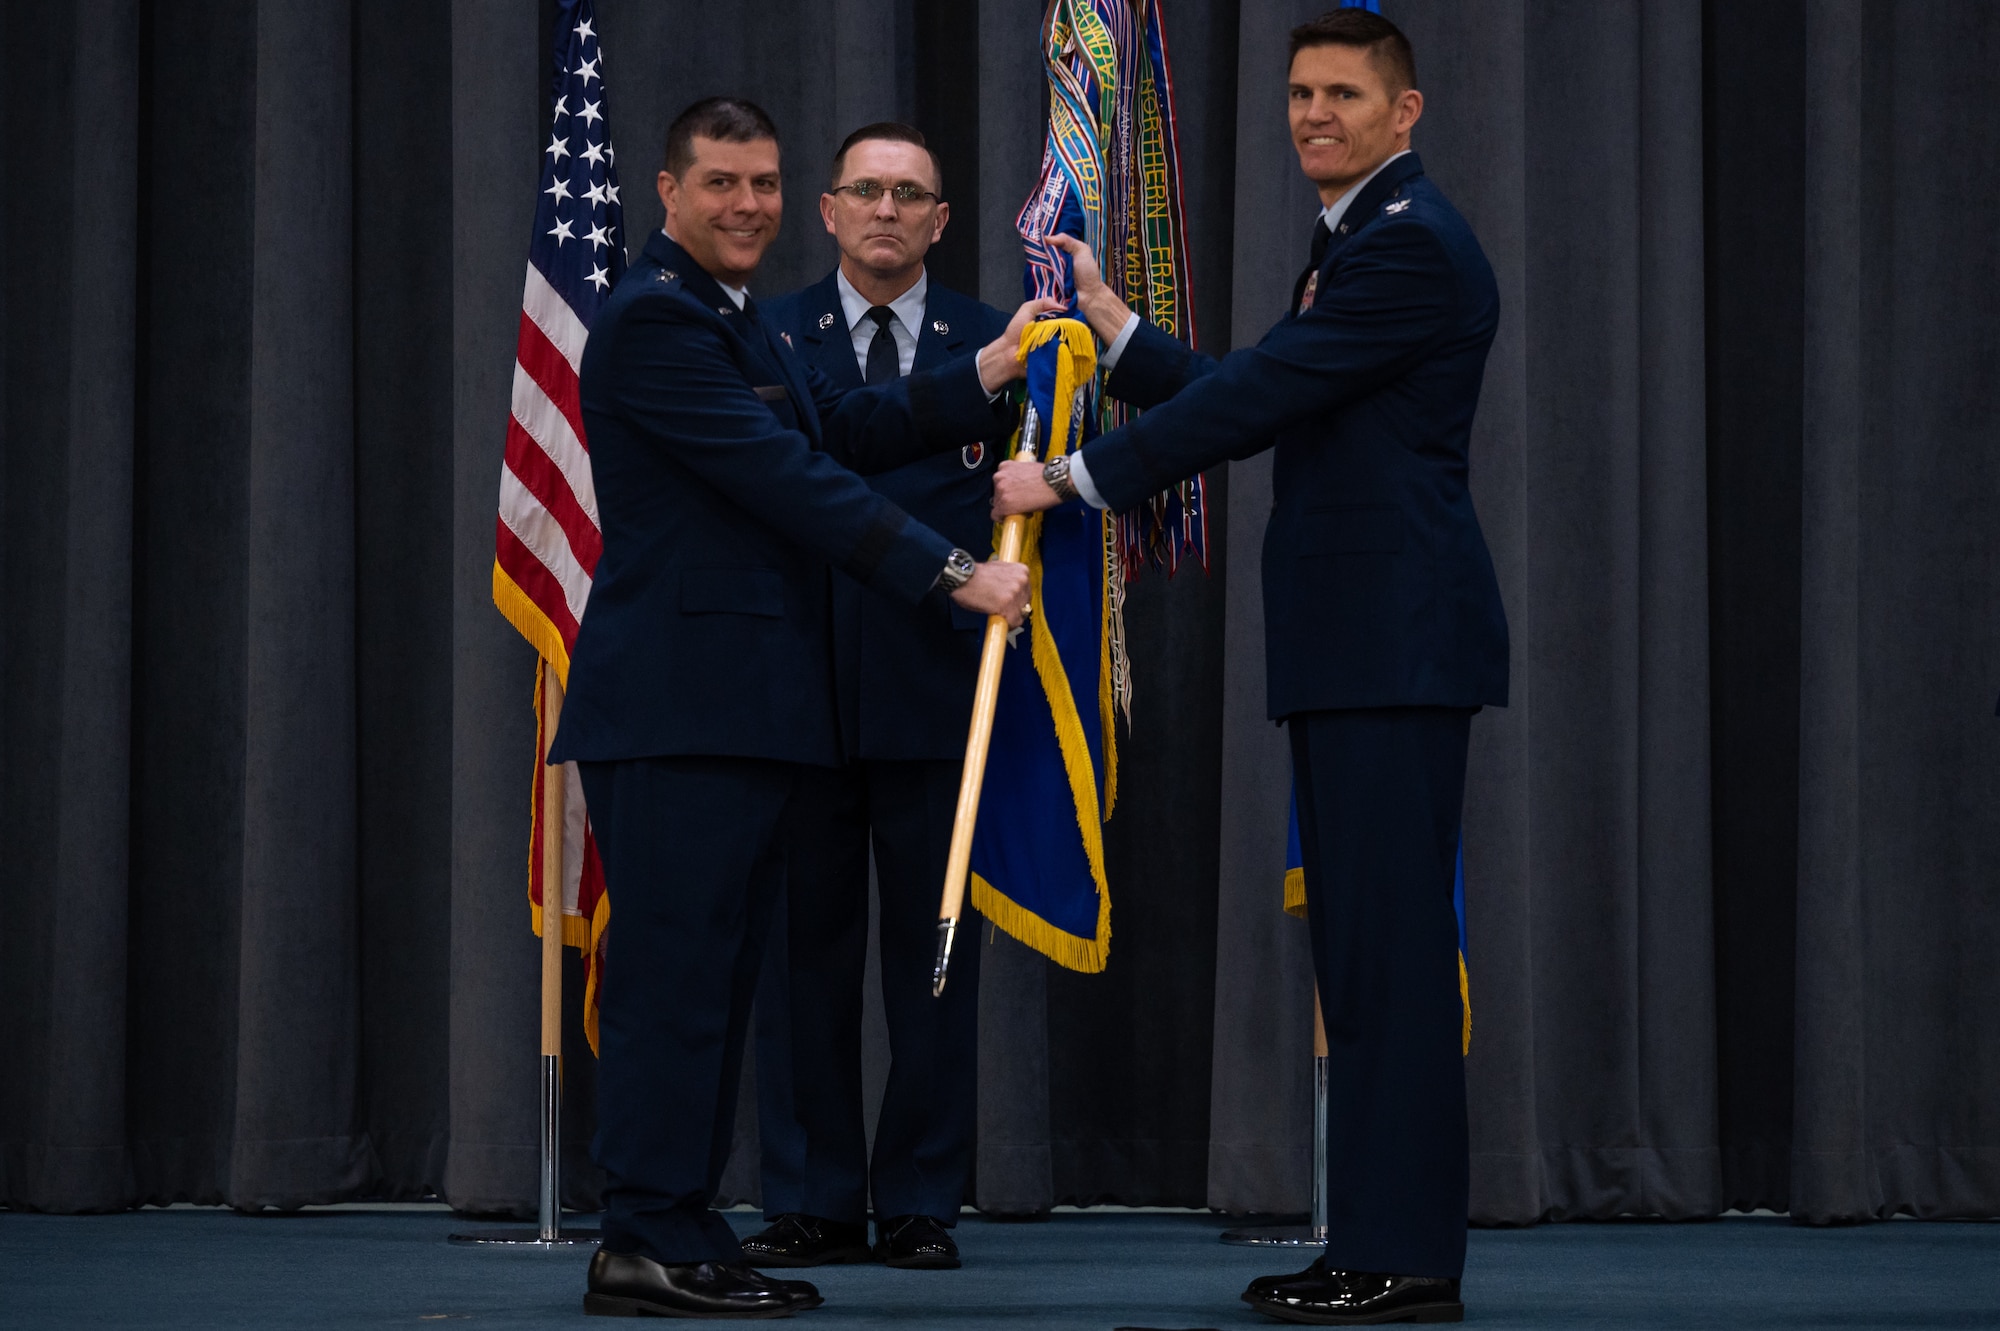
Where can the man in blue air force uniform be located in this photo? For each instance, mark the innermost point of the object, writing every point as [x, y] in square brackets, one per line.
[1384, 633]
[903, 677]
[701, 685]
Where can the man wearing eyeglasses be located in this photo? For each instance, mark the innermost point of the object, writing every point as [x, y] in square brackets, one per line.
[903, 677]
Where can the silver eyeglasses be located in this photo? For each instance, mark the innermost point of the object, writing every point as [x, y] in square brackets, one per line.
[870, 190]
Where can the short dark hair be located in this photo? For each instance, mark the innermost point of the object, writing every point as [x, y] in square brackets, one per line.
[1384, 41]
[888, 131]
[723, 119]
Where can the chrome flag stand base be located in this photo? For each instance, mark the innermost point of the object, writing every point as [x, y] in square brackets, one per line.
[549, 1232]
[1298, 1236]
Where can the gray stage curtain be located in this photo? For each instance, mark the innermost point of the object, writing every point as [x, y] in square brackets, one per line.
[1587, 820]
[66, 635]
[264, 742]
[1899, 764]
[264, 942]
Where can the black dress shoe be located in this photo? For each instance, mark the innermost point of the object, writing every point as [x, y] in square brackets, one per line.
[1320, 1296]
[629, 1285]
[1264, 1284]
[807, 1240]
[915, 1243]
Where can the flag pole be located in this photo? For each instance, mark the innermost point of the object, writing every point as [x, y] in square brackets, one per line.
[554, 823]
[1314, 1234]
[548, 1232]
[985, 697]
[1320, 1093]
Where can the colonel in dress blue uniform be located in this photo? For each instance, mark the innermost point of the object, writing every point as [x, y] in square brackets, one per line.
[1384, 633]
[903, 677]
[700, 689]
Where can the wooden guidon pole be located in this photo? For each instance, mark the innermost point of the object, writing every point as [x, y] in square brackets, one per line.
[992, 655]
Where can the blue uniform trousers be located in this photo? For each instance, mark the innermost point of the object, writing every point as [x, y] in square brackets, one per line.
[692, 851]
[1379, 794]
[811, 1117]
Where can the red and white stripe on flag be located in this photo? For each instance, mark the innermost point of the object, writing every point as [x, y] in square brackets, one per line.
[548, 538]
[547, 542]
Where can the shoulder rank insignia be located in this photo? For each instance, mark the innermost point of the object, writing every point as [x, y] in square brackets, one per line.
[1396, 207]
[940, 327]
[825, 322]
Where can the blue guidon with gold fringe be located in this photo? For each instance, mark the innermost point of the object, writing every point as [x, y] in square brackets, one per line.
[1110, 176]
[1038, 854]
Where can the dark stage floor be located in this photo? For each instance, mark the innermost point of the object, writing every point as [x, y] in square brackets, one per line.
[1095, 1270]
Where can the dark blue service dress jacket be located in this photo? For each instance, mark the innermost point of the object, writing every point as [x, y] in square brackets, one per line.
[721, 465]
[904, 674]
[1378, 589]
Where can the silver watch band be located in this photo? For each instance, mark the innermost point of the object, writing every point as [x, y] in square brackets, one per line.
[957, 571]
[1055, 474]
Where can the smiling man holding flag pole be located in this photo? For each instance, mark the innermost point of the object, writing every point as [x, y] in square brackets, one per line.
[701, 683]
[1384, 632]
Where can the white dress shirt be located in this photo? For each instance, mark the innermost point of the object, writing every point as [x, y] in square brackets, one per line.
[908, 309]
[1079, 474]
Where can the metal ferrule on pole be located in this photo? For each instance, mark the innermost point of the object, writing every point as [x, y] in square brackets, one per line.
[1320, 1073]
[550, 1216]
[1313, 1235]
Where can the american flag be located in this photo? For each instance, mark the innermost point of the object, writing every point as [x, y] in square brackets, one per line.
[548, 537]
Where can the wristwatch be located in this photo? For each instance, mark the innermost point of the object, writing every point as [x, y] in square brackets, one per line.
[1055, 475]
[958, 568]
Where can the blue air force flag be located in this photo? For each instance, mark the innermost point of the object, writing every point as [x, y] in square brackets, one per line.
[1038, 853]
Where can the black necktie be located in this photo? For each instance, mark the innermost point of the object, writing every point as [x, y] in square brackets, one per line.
[1321, 239]
[884, 364]
[750, 308]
